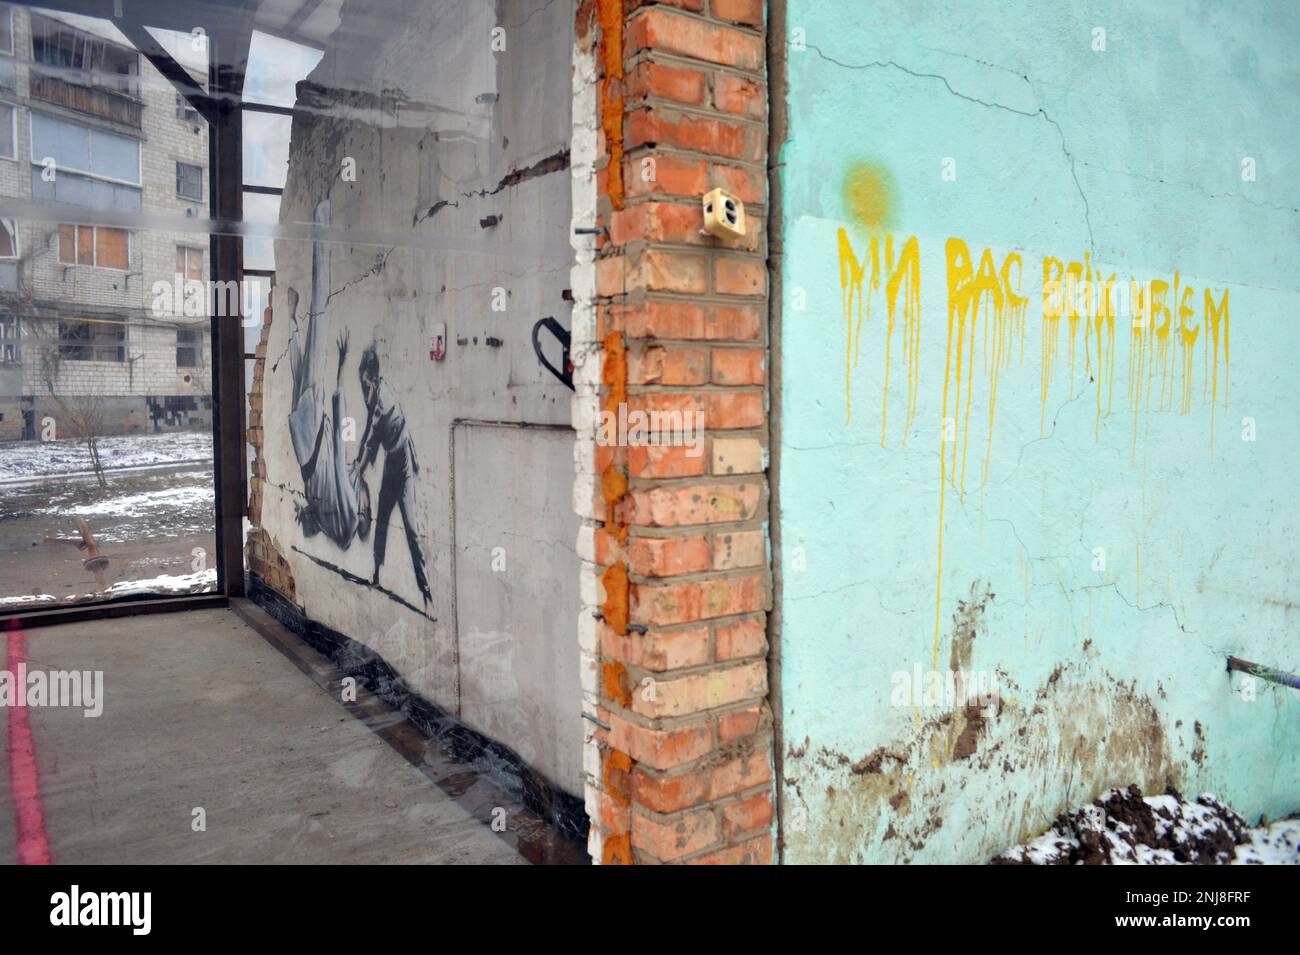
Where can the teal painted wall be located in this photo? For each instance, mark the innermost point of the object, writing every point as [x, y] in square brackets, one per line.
[1099, 567]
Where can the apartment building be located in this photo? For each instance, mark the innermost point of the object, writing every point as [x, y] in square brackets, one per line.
[91, 325]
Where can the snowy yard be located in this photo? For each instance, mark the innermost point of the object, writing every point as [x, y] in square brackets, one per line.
[201, 582]
[154, 520]
[29, 460]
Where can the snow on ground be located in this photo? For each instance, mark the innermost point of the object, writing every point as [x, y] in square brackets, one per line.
[141, 504]
[1125, 828]
[200, 582]
[30, 460]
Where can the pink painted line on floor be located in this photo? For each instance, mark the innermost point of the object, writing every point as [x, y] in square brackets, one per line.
[24, 782]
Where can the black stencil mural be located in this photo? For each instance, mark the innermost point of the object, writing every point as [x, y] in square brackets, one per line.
[336, 492]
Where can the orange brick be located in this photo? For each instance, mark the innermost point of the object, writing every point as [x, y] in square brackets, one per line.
[748, 185]
[657, 650]
[611, 275]
[746, 815]
[682, 460]
[696, 6]
[677, 836]
[738, 723]
[697, 692]
[727, 410]
[694, 402]
[738, 366]
[670, 32]
[660, 270]
[656, 318]
[739, 11]
[737, 276]
[722, 410]
[666, 271]
[667, 556]
[739, 94]
[660, 319]
[717, 137]
[658, 748]
[666, 365]
[608, 548]
[677, 505]
[744, 638]
[657, 174]
[756, 851]
[678, 223]
[612, 816]
[656, 605]
[659, 222]
[737, 549]
[670, 792]
[735, 323]
[649, 78]
[616, 775]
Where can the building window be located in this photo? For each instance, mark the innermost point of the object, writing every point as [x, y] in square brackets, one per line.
[6, 29]
[188, 341]
[92, 339]
[8, 239]
[8, 131]
[83, 149]
[189, 262]
[91, 60]
[185, 111]
[189, 181]
[10, 348]
[100, 246]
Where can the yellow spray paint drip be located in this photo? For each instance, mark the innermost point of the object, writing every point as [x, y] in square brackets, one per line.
[909, 270]
[1216, 318]
[1053, 306]
[1102, 324]
[1151, 368]
[1138, 350]
[852, 276]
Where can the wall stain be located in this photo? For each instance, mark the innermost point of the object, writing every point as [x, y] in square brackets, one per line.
[1080, 732]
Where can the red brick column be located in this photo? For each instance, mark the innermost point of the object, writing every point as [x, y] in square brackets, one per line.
[679, 540]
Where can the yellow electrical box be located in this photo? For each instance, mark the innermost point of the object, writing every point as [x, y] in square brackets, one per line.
[724, 214]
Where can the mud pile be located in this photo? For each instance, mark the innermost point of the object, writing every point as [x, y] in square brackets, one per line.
[1125, 827]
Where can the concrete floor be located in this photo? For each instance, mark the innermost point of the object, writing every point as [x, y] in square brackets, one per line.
[200, 711]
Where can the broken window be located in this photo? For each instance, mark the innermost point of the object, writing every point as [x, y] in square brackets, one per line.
[80, 57]
[101, 246]
[188, 341]
[189, 262]
[185, 111]
[8, 239]
[92, 339]
[8, 131]
[189, 181]
[10, 350]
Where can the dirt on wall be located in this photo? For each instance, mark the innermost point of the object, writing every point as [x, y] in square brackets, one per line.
[1055, 745]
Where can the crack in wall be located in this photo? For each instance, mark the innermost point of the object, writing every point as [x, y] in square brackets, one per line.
[989, 104]
[556, 162]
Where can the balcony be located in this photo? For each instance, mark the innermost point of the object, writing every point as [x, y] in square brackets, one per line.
[101, 101]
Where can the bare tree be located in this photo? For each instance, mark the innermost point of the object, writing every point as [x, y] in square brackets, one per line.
[82, 415]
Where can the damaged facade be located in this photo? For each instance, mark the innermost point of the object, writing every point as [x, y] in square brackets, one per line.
[94, 322]
[991, 478]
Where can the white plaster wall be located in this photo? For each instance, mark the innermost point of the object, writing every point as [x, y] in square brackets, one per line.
[445, 133]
